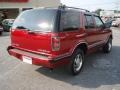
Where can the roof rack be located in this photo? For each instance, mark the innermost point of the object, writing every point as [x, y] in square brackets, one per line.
[64, 7]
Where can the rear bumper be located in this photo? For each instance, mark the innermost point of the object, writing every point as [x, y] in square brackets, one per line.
[37, 59]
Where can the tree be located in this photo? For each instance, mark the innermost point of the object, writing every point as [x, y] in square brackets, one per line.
[98, 11]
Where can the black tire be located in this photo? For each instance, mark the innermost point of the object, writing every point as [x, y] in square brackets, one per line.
[75, 69]
[108, 46]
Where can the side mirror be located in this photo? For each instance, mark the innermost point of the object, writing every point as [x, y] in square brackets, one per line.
[108, 24]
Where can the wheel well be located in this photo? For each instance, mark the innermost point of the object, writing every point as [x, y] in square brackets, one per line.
[83, 46]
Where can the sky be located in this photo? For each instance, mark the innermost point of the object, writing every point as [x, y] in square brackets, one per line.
[93, 4]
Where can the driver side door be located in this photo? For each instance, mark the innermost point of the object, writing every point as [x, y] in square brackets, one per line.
[100, 29]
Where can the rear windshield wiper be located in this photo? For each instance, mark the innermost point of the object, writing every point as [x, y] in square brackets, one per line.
[29, 31]
[22, 27]
[33, 31]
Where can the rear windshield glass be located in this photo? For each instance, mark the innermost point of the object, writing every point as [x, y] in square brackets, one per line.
[36, 20]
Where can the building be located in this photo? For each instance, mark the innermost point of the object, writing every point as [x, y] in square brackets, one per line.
[107, 13]
[110, 13]
[13, 7]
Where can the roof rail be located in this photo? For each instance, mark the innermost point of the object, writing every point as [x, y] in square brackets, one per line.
[64, 7]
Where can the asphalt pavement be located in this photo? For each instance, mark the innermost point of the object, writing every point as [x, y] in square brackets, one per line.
[101, 71]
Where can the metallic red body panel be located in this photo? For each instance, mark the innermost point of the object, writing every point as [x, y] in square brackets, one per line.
[40, 42]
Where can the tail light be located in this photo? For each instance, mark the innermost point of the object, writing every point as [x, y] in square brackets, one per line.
[55, 43]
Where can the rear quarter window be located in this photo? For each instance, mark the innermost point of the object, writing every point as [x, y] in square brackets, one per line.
[70, 20]
[88, 21]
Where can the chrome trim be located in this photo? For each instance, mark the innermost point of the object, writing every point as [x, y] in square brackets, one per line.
[31, 51]
[29, 54]
[49, 56]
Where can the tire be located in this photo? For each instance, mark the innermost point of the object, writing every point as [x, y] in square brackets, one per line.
[108, 46]
[76, 62]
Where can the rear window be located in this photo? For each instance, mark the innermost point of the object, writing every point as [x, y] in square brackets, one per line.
[36, 20]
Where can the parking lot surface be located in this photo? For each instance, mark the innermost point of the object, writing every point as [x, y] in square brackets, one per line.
[101, 71]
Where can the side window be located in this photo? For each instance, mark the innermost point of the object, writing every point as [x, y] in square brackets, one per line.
[98, 21]
[89, 23]
[70, 20]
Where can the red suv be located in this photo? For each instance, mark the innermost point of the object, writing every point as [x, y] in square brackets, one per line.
[52, 37]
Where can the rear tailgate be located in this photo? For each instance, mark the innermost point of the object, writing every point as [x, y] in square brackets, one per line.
[39, 42]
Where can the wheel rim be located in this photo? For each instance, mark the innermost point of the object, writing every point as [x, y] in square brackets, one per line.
[78, 62]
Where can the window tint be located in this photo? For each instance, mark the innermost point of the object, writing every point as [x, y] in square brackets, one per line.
[89, 23]
[70, 21]
[36, 19]
[98, 22]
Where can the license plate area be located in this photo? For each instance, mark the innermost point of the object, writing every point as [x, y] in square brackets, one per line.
[27, 59]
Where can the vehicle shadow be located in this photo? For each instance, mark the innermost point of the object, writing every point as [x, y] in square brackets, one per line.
[99, 69]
